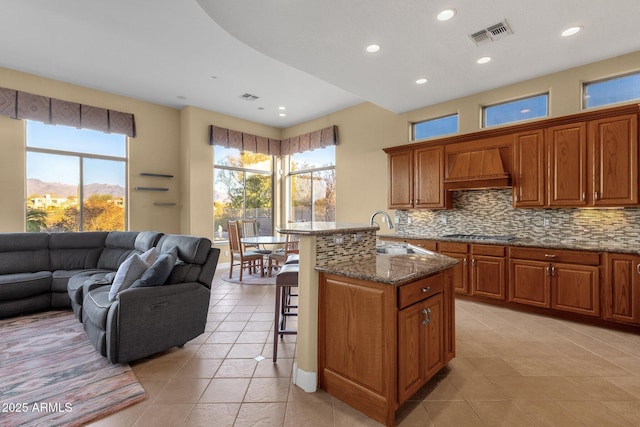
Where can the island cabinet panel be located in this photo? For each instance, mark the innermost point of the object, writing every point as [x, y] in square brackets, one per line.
[488, 271]
[421, 339]
[567, 156]
[401, 180]
[622, 288]
[378, 343]
[614, 142]
[529, 169]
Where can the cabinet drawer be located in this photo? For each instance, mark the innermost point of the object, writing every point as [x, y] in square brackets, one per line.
[429, 245]
[556, 255]
[490, 250]
[416, 291]
[460, 248]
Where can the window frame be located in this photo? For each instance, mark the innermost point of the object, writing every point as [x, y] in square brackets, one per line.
[586, 97]
[485, 108]
[414, 124]
[81, 156]
[311, 171]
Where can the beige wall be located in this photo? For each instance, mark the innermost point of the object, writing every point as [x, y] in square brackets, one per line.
[175, 142]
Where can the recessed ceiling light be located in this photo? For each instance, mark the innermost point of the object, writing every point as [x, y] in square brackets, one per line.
[373, 48]
[283, 115]
[484, 60]
[282, 108]
[447, 14]
[421, 81]
[571, 31]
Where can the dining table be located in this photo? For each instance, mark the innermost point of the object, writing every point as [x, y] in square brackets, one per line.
[262, 242]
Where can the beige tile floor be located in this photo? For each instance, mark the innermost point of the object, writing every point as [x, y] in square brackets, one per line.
[511, 369]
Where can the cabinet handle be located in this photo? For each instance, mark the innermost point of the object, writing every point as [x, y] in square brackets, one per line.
[549, 255]
[548, 271]
[584, 196]
[517, 197]
[638, 268]
[553, 271]
[473, 262]
[595, 195]
[427, 289]
[465, 262]
[427, 316]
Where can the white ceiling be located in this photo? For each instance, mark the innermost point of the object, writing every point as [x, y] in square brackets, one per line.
[306, 55]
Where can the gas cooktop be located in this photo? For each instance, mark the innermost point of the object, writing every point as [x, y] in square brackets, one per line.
[480, 237]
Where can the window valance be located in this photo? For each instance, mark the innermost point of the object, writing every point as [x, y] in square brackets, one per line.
[23, 105]
[275, 147]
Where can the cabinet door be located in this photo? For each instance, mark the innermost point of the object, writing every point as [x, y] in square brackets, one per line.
[420, 345]
[529, 164]
[567, 154]
[429, 172]
[401, 180]
[488, 277]
[615, 156]
[622, 288]
[575, 288]
[529, 282]
[460, 272]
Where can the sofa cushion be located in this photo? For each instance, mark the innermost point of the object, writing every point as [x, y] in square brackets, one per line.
[160, 270]
[76, 250]
[24, 252]
[130, 271]
[192, 250]
[23, 285]
[118, 246]
[77, 281]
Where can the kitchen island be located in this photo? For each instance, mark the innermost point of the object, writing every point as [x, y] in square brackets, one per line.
[372, 329]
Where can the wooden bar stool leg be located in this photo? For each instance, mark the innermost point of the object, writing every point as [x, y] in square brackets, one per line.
[276, 324]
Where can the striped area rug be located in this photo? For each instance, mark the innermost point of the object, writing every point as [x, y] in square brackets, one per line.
[50, 374]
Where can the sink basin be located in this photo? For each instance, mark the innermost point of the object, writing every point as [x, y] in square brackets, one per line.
[399, 249]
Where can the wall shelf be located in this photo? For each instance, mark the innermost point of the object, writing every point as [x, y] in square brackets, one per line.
[151, 189]
[164, 203]
[156, 175]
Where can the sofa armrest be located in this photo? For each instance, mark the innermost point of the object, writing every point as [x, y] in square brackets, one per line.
[148, 320]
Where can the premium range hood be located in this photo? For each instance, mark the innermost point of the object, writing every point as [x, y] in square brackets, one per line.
[476, 170]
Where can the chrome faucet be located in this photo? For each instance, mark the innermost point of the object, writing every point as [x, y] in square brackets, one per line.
[389, 221]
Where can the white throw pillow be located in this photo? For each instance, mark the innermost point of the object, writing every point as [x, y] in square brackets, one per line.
[150, 256]
[128, 272]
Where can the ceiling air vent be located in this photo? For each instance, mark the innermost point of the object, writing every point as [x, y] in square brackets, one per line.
[492, 33]
[249, 97]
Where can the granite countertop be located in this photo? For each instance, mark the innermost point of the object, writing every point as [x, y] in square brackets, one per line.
[313, 228]
[391, 269]
[549, 243]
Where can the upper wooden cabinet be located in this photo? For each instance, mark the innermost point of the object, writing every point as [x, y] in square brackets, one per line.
[614, 142]
[529, 169]
[415, 179]
[567, 165]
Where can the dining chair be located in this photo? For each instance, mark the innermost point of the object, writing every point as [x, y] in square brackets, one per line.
[249, 228]
[245, 259]
[281, 255]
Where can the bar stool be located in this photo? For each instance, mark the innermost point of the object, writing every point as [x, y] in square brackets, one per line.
[286, 279]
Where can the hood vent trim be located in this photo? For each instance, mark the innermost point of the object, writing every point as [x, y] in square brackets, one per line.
[477, 170]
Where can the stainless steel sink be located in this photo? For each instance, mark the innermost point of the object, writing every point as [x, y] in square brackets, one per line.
[389, 248]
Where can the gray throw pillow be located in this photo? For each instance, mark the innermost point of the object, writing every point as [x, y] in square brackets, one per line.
[160, 270]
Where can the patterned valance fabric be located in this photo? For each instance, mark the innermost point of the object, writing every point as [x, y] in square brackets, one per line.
[23, 105]
[275, 147]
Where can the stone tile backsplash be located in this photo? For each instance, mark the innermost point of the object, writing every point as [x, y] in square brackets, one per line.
[491, 212]
[328, 252]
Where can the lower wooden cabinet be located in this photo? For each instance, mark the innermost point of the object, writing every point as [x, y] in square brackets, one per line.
[621, 302]
[488, 271]
[378, 344]
[558, 279]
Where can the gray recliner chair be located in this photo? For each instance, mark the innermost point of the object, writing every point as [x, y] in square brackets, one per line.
[142, 321]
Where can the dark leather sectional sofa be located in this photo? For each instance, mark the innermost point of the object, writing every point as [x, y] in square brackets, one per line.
[74, 270]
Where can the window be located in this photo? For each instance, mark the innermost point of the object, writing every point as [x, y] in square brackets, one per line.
[76, 179]
[435, 127]
[611, 91]
[516, 111]
[312, 185]
[243, 189]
